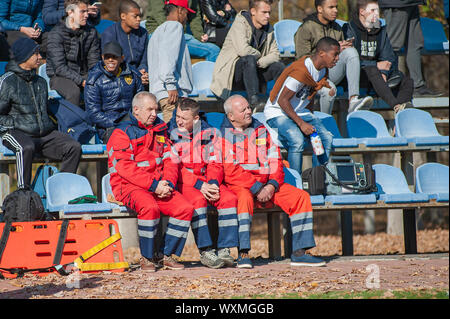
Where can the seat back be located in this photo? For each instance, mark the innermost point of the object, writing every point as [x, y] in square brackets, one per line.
[41, 176]
[435, 40]
[63, 187]
[284, 31]
[390, 180]
[415, 123]
[432, 178]
[106, 188]
[42, 71]
[202, 73]
[329, 122]
[2, 67]
[215, 119]
[366, 124]
[103, 24]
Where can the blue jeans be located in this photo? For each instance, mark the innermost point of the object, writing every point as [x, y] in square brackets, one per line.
[206, 50]
[292, 138]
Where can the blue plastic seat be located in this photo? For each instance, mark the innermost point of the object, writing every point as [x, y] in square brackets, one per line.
[215, 119]
[292, 177]
[330, 124]
[370, 129]
[273, 133]
[93, 148]
[351, 199]
[42, 71]
[432, 180]
[392, 186]
[418, 127]
[202, 73]
[4, 150]
[106, 189]
[40, 178]
[103, 24]
[284, 31]
[341, 22]
[435, 40]
[2, 67]
[63, 187]
[142, 23]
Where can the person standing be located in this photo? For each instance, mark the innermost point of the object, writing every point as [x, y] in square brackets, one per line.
[168, 59]
[378, 60]
[404, 30]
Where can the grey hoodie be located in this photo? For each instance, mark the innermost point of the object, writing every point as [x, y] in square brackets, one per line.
[169, 62]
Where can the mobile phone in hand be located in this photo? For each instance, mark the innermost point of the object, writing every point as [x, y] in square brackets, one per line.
[36, 26]
[350, 39]
[97, 3]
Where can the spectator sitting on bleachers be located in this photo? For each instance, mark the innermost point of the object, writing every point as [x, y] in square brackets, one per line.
[25, 126]
[254, 172]
[131, 36]
[378, 60]
[323, 24]
[168, 59]
[404, 30]
[249, 56]
[23, 18]
[288, 109]
[218, 16]
[73, 48]
[110, 88]
[194, 36]
[53, 11]
[197, 148]
[143, 177]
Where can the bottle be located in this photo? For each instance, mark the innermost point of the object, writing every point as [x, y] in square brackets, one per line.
[316, 143]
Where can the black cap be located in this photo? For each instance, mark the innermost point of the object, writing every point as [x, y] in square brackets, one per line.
[23, 49]
[113, 48]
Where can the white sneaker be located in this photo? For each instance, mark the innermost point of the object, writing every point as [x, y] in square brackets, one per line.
[360, 104]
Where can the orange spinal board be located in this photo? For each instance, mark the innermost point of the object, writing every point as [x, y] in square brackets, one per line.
[32, 245]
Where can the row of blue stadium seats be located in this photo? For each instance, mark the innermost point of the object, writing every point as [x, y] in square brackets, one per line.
[432, 183]
[413, 126]
[435, 39]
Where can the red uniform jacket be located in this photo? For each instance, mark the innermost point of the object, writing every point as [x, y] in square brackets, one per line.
[199, 155]
[250, 158]
[139, 157]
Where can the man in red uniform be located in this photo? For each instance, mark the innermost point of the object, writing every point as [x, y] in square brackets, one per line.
[197, 148]
[253, 170]
[143, 177]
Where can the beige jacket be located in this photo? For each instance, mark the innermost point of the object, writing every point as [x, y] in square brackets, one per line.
[237, 44]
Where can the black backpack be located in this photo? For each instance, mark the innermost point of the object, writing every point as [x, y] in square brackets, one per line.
[23, 205]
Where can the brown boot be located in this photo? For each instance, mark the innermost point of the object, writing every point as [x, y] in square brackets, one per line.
[147, 265]
[170, 263]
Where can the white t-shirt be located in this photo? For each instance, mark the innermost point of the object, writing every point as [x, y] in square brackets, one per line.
[300, 100]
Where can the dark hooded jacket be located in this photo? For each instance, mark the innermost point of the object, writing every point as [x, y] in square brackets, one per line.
[23, 102]
[311, 31]
[373, 46]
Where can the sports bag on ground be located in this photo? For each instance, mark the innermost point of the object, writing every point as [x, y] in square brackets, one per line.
[23, 205]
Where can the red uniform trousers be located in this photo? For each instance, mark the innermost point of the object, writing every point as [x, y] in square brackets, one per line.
[226, 209]
[148, 207]
[295, 202]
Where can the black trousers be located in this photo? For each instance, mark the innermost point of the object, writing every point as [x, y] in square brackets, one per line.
[68, 89]
[402, 94]
[55, 146]
[249, 76]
